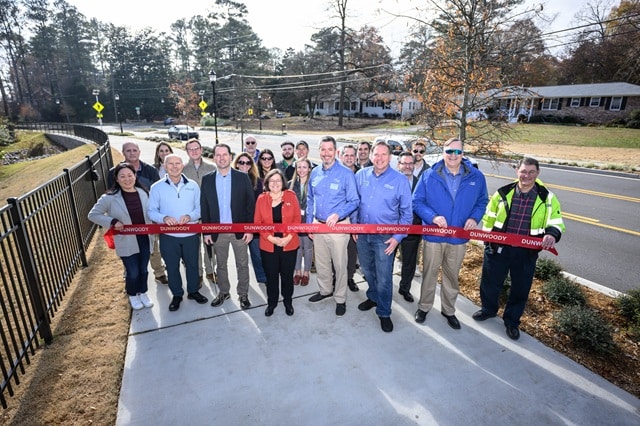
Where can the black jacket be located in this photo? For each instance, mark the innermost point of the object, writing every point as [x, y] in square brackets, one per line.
[242, 200]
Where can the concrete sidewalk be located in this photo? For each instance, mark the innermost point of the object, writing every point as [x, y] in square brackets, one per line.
[203, 365]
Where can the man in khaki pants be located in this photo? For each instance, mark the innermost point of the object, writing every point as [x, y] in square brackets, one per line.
[195, 169]
[332, 197]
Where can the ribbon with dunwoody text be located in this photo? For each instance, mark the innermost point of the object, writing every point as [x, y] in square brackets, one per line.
[514, 240]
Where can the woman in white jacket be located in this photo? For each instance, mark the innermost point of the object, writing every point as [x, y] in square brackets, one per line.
[126, 204]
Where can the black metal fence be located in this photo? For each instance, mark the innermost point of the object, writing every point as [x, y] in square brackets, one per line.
[43, 240]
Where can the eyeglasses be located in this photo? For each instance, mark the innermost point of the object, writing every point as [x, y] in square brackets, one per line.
[453, 151]
[267, 158]
[243, 163]
[250, 142]
[418, 151]
[194, 149]
[406, 164]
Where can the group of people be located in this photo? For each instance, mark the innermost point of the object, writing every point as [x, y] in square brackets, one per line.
[355, 185]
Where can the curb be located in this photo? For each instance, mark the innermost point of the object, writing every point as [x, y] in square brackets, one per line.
[593, 286]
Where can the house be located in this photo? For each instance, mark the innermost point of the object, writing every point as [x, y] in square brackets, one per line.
[591, 103]
[387, 105]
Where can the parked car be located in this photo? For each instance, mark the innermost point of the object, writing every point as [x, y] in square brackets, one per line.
[279, 114]
[168, 121]
[264, 117]
[398, 144]
[182, 132]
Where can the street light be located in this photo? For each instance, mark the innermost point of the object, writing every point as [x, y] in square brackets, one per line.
[58, 109]
[212, 79]
[260, 109]
[117, 99]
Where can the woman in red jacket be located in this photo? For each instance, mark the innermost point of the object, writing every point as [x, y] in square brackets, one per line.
[278, 250]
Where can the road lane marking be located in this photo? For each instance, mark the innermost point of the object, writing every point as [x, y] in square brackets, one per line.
[579, 190]
[596, 222]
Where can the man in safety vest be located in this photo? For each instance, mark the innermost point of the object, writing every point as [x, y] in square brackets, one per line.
[523, 207]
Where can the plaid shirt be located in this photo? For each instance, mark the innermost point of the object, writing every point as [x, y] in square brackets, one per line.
[521, 208]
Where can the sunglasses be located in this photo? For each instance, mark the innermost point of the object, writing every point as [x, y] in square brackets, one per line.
[250, 143]
[244, 163]
[266, 158]
[453, 151]
[418, 151]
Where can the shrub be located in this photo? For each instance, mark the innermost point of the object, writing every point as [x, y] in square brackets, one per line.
[616, 122]
[563, 291]
[634, 115]
[585, 327]
[629, 305]
[207, 121]
[547, 268]
[36, 150]
[633, 124]
[7, 136]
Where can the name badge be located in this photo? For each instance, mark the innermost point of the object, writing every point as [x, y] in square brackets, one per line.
[334, 186]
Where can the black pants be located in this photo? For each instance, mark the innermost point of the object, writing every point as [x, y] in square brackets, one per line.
[409, 251]
[278, 267]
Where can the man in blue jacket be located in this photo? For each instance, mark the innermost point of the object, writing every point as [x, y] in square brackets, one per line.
[451, 193]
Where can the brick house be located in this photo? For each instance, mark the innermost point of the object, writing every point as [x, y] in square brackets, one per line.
[591, 103]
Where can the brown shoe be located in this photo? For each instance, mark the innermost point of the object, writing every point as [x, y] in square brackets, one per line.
[162, 279]
[304, 280]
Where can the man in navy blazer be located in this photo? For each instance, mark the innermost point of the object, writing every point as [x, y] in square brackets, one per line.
[227, 197]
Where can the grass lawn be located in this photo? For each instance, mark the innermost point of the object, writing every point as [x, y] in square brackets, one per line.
[585, 136]
[18, 178]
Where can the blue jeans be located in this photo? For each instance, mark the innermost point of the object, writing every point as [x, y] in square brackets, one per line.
[137, 267]
[377, 268]
[256, 259]
[520, 263]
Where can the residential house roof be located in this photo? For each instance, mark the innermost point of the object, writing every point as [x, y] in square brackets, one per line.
[573, 90]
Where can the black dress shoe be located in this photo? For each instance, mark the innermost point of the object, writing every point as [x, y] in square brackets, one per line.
[513, 332]
[219, 300]
[386, 325]
[318, 297]
[367, 304]
[452, 320]
[420, 316]
[197, 297]
[482, 315]
[269, 311]
[352, 285]
[341, 308]
[288, 308]
[175, 303]
[244, 302]
[407, 296]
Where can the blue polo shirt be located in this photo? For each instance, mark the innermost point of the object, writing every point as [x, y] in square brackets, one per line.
[331, 190]
[384, 198]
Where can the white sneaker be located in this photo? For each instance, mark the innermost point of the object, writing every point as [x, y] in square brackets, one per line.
[145, 300]
[135, 302]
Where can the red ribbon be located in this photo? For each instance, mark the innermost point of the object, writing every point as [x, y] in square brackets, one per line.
[514, 240]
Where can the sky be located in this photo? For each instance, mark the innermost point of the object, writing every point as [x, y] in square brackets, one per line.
[290, 23]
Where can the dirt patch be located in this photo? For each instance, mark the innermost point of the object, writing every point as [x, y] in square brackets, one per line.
[76, 379]
[584, 156]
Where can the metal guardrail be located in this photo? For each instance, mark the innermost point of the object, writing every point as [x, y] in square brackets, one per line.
[43, 240]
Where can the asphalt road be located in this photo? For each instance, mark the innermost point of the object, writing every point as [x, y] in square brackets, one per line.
[602, 212]
[602, 216]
